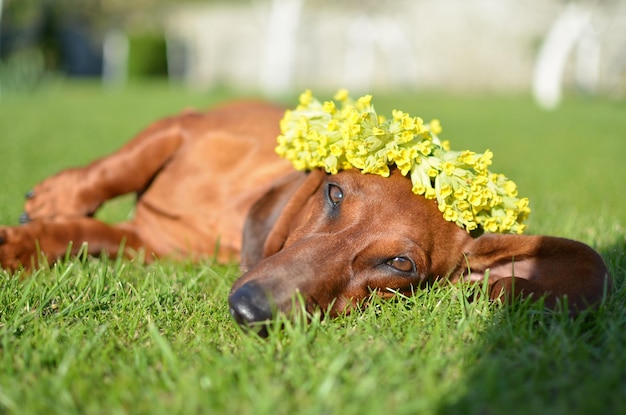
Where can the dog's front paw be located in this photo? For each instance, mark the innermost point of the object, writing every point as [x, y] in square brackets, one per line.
[18, 247]
[13, 248]
[61, 195]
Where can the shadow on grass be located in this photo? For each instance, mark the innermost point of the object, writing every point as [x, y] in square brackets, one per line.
[530, 360]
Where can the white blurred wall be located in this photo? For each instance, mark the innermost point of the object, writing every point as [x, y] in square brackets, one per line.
[459, 45]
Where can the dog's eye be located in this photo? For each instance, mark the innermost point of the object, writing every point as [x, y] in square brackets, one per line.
[335, 194]
[401, 263]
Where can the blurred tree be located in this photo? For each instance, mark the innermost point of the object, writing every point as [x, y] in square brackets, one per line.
[67, 35]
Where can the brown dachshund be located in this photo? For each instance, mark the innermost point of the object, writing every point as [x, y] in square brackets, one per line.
[205, 179]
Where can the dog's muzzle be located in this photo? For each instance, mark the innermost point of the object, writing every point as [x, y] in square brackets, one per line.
[251, 309]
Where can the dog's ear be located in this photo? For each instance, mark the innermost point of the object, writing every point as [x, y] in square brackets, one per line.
[537, 266]
[271, 218]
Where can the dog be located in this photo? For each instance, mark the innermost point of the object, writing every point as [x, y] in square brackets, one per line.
[210, 184]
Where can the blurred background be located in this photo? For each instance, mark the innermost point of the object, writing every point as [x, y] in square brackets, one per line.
[544, 47]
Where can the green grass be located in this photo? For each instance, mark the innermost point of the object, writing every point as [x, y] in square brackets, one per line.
[102, 336]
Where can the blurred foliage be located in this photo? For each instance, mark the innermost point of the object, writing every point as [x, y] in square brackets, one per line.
[37, 37]
[97, 11]
[148, 56]
[23, 72]
[98, 14]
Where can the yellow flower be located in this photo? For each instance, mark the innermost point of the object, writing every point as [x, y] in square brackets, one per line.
[448, 168]
[299, 164]
[404, 167]
[418, 188]
[322, 151]
[407, 123]
[378, 131]
[490, 225]
[484, 161]
[460, 193]
[435, 127]
[336, 150]
[351, 134]
[405, 137]
[424, 147]
[341, 95]
[463, 206]
[397, 115]
[450, 214]
[306, 97]
[333, 125]
[329, 107]
[510, 188]
[522, 204]
[467, 157]
[475, 199]
[330, 164]
[363, 102]
[445, 191]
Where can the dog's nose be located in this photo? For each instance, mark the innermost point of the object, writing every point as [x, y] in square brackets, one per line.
[251, 308]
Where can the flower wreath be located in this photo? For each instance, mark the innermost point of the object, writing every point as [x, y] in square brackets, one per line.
[352, 135]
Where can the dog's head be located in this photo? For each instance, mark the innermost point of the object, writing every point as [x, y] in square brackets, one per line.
[335, 239]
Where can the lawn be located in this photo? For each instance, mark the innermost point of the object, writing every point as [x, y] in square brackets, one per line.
[96, 336]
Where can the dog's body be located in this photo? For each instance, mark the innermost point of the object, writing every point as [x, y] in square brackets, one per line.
[332, 238]
[197, 174]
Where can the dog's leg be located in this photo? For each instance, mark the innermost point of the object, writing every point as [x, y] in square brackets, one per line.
[540, 266]
[26, 245]
[80, 191]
